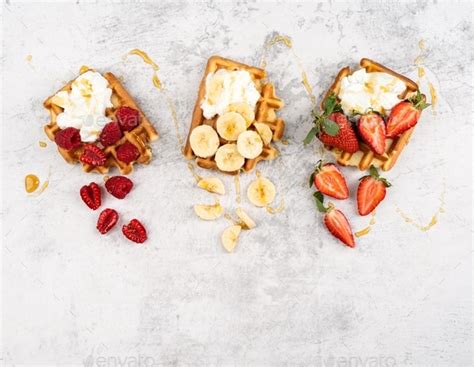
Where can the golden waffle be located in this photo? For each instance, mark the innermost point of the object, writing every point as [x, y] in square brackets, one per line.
[139, 136]
[364, 157]
[265, 113]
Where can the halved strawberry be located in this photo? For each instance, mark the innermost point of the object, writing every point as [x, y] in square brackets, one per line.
[135, 231]
[371, 191]
[329, 180]
[333, 128]
[405, 115]
[335, 221]
[372, 131]
[91, 195]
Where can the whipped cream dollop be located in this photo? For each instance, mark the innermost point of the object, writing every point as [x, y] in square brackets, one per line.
[225, 87]
[363, 91]
[84, 105]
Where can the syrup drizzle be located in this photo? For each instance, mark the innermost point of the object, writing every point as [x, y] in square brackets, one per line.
[83, 69]
[367, 229]
[419, 61]
[237, 187]
[31, 183]
[42, 144]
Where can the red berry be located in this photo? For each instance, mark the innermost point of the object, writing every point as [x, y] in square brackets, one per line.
[118, 186]
[93, 155]
[68, 139]
[372, 131]
[337, 223]
[128, 118]
[371, 191]
[135, 231]
[330, 181]
[345, 139]
[91, 195]
[110, 134]
[127, 152]
[107, 219]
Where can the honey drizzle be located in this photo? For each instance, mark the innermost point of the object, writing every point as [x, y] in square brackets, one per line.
[366, 230]
[29, 58]
[276, 210]
[193, 172]
[31, 183]
[419, 60]
[83, 69]
[42, 144]
[434, 218]
[237, 188]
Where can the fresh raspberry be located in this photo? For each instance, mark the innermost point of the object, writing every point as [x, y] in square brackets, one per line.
[128, 118]
[91, 195]
[118, 186]
[93, 155]
[68, 139]
[135, 231]
[127, 152]
[110, 134]
[107, 219]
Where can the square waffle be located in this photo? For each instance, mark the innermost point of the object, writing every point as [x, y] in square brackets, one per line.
[265, 113]
[139, 136]
[364, 157]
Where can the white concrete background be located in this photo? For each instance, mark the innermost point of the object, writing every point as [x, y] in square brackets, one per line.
[290, 294]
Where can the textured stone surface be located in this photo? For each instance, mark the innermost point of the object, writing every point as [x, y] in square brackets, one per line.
[290, 294]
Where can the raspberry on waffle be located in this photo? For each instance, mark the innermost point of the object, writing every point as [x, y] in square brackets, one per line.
[265, 113]
[139, 136]
[365, 157]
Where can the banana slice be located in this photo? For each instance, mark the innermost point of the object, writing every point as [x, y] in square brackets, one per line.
[249, 144]
[230, 125]
[204, 141]
[245, 110]
[230, 236]
[228, 158]
[261, 192]
[264, 131]
[246, 220]
[212, 184]
[208, 212]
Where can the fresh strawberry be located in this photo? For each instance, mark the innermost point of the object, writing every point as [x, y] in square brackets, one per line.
[127, 152]
[371, 191]
[329, 180]
[128, 118]
[68, 138]
[405, 115]
[108, 218]
[135, 231]
[93, 155]
[118, 186]
[333, 128]
[335, 221]
[372, 131]
[91, 195]
[110, 134]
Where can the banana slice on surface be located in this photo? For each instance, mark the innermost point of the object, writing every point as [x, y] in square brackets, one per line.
[208, 212]
[230, 236]
[204, 141]
[249, 144]
[230, 125]
[261, 192]
[228, 158]
[243, 109]
[246, 220]
[212, 184]
[264, 131]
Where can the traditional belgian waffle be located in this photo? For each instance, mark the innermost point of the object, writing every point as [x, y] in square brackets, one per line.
[265, 113]
[139, 136]
[364, 158]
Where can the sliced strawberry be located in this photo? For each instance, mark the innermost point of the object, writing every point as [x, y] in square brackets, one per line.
[68, 138]
[108, 218]
[345, 138]
[135, 231]
[371, 191]
[118, 186]
[405, 115]
[110, 134]
[329, 180]
[127, 152]
[128, 118]
[335, 221]
[91, 195]
[372, 131]
[93, 155]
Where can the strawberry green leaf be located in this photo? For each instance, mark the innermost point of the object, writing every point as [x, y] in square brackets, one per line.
[373, 172]
[311, 179]
[330, 127]
[318, 196]
[309, 138]
[385, 182]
